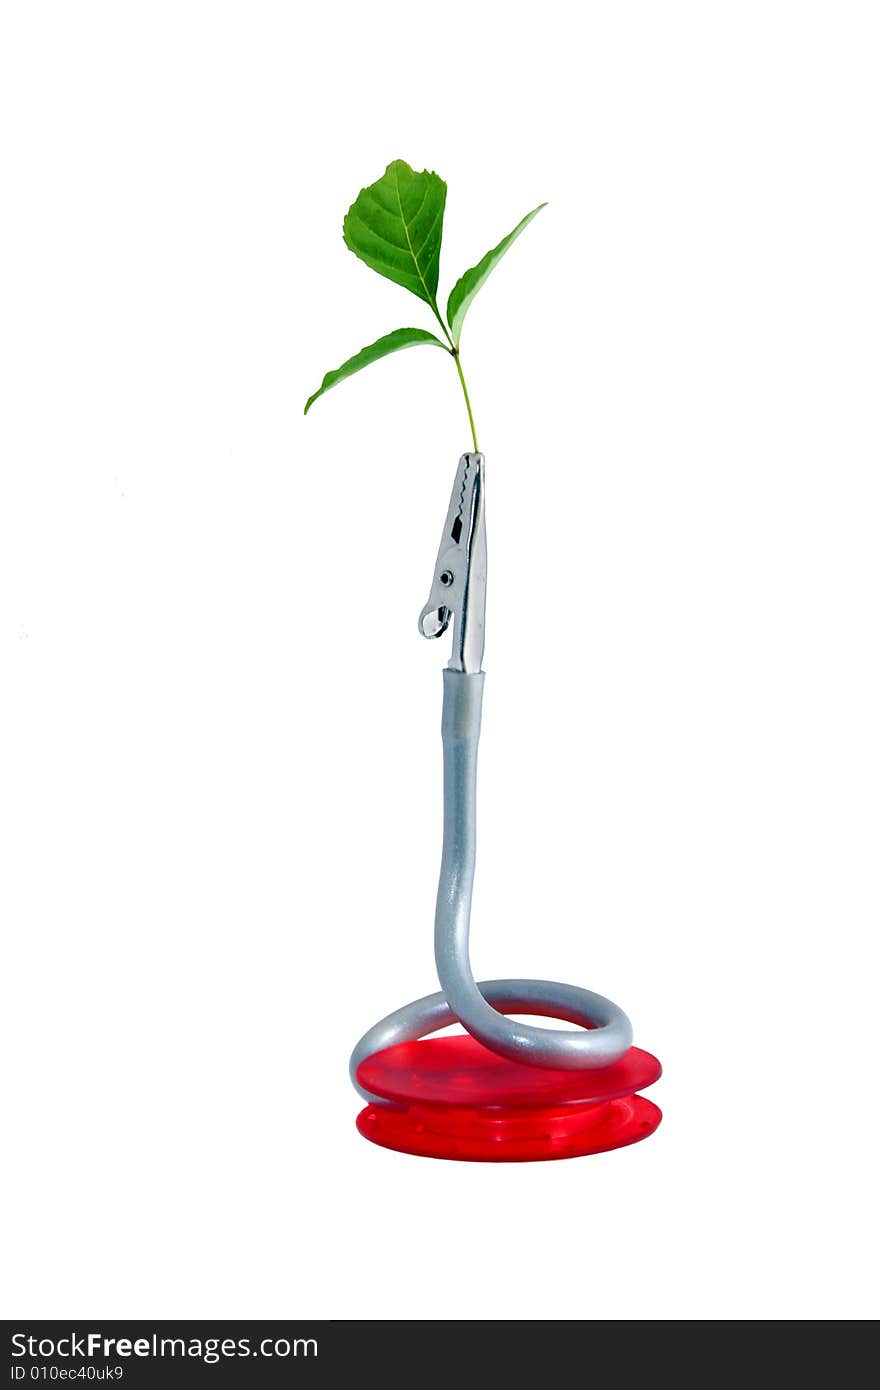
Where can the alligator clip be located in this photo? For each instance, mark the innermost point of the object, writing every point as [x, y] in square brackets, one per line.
[459, 587]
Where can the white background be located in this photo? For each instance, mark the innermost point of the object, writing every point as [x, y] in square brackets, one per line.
[221, 751]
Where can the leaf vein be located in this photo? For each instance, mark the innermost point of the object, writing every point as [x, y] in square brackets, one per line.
[371, 231]
[428, 293]
[430, 230]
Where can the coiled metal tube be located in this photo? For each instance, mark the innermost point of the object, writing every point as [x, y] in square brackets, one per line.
[482, 1008]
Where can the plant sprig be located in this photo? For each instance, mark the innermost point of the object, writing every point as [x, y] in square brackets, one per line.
[395, 226]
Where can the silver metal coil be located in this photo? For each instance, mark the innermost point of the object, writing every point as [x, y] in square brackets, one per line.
[482, 1007]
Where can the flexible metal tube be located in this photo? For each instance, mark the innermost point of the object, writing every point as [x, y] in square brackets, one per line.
[482, 1007]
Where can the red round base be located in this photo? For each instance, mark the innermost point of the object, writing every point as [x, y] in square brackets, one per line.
[453, 1098]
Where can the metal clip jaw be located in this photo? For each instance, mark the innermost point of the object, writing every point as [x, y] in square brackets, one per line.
[459, 587]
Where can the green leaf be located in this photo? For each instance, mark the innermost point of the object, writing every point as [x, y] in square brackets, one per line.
[473, 280]
[392, 342]
[396, 225]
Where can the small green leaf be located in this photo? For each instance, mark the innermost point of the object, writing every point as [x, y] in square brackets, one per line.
[396, 225]
[473, 280]
[392, 342]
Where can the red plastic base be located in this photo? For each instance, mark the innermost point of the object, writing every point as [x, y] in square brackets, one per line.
[456, 1099]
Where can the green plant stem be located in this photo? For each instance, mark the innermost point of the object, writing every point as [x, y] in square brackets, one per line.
[439, 317]
[467, 399]
[454, 354]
